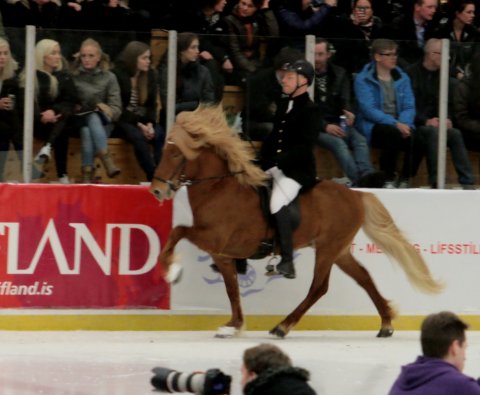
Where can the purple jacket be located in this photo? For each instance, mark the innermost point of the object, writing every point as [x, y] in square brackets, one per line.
[433, 376]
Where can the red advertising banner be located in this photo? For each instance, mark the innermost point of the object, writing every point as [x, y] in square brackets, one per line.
[82, 246]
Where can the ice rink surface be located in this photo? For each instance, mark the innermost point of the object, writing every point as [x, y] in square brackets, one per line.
[102, 363]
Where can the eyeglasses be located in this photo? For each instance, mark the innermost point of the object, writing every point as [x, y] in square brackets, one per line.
[363, 9]
[390, 55]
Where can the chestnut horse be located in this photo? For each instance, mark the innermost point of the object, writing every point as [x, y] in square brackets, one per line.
[204, 154]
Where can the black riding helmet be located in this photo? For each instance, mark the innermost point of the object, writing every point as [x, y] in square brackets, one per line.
[302, 67]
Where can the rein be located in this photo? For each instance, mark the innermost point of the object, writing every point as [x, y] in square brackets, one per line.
[183, 181]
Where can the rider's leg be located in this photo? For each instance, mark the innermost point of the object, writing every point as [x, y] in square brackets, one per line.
[284, 230]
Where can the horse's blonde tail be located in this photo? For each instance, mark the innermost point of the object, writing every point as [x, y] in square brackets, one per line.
[380, 227]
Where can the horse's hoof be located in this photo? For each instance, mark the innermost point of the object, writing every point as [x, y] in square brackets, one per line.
[385, 332]
[174, 274]
[278, 332]
[226, 332]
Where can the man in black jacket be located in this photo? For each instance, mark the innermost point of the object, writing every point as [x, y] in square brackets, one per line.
[412, 30]
[425, 78]
[287, 153]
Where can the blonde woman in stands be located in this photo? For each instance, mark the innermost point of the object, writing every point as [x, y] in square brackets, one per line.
[10, 126]
[101, 105]
[55, 101]
[138, 122]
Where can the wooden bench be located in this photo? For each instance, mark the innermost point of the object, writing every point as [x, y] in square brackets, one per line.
[121, 151]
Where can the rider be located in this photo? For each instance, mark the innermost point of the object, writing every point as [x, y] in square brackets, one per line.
[287, 153]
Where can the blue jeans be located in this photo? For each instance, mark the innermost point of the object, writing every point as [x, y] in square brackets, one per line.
[351, 152]
[93, 135]
[463, 167]
[147, 152]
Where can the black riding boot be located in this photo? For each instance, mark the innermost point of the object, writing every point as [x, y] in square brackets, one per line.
[284, 230]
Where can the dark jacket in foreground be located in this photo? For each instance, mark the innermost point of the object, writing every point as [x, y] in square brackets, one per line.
[282, 381]
[290, 145]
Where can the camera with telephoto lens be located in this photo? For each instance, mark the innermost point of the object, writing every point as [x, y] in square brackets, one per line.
[317, 3]
[211, 382]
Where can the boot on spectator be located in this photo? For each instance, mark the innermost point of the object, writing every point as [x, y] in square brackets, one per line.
[110, 167]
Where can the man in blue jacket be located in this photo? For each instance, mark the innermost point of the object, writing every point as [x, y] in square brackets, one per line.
[439, 370]
[386, 110]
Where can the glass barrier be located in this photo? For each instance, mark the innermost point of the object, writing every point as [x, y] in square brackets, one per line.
[247, 83]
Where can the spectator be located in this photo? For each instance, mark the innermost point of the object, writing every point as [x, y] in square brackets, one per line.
[249, 20]
[412, 29]
[267, 370]
[194, 83]
[296, 18]
[425, 78]
[287, 154]
[463, 36]
[333, 96]
[138, 121]
[206, 21]
[386, 110]
[55, 101]
[466, 106]
[2, 30]
[100, 100]
[354, 36]
[9, 117]
[439, 370]
[263, 91]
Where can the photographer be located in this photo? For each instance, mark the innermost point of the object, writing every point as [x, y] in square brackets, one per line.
[267, 370]
[296, 18]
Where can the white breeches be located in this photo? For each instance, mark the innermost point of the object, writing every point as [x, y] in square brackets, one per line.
[285, 190]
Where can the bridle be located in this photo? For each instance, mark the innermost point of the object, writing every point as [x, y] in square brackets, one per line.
[182, 180]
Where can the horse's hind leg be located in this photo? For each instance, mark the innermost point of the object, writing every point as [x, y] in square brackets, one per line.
[349, 265]
[318, 288]
[228, 271]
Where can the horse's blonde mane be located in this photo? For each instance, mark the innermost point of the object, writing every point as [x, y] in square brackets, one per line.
[207, 126]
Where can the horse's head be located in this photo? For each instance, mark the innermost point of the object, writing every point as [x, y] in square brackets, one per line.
[203, 132]
[169, 173]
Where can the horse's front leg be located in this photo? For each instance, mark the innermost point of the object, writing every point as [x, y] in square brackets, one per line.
[173, 270]
[227, 269]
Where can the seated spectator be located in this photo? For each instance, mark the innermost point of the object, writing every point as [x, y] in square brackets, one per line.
[386, 110]
[101, 105]
[267, 370]
[194, 83]
[463, 35]
[249, 20]
[439, 370]
[412, 29]
[466, 106]
[262, 93]
[138, 121]
[333, 96]
[206, 21]
[55, 101]
[2, 30]
[354, 36]
[297, 18]
[425, 78]
[10, 126]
